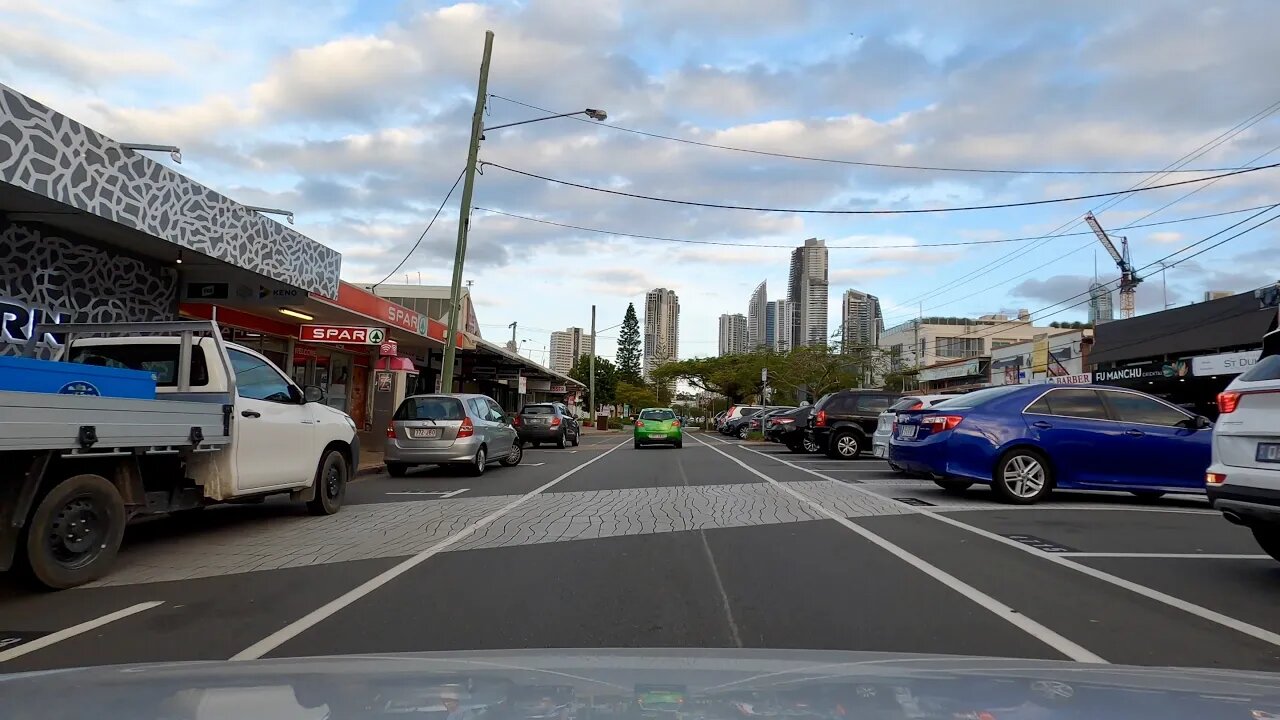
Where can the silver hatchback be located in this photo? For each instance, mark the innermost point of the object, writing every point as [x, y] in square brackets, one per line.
[450, 429]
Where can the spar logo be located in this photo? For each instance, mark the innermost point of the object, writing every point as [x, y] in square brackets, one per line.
[342, 334]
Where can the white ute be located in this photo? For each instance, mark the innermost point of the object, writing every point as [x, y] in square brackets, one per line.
[225, 426]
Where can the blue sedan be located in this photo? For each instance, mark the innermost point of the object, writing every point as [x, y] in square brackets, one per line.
[1026, 440]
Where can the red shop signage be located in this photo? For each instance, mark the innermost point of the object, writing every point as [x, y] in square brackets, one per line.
[342, 334]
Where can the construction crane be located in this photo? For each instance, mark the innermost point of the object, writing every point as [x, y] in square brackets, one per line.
[1128, 277]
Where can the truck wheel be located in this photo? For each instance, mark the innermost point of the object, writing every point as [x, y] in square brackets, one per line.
[331, 484]
[75, 532]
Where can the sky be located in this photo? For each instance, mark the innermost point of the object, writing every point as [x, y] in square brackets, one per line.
[355, 116]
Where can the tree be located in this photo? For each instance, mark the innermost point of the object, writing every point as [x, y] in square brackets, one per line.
[629, 347]
[606, 378]
[734, 376]
[637, 396]
[815, 370]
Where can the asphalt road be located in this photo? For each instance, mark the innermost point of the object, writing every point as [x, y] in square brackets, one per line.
[717, 544]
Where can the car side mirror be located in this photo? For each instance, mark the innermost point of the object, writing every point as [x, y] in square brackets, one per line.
[313, 394]
[1203, 423]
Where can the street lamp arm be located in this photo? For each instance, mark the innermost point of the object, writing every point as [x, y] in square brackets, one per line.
[592, 113]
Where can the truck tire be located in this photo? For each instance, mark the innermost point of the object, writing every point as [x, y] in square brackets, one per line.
[330, 484]
[75, 532]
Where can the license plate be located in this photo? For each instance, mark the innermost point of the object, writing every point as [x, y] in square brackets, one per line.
[906, 432]
[878, 451]
[1268, 452]
[424, 433]
[658, 436]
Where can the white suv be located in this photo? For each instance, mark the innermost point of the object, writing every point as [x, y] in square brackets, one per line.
[1244, 479]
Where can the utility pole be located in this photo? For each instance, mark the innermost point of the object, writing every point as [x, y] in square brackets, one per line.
[464, 215]
[591, 372]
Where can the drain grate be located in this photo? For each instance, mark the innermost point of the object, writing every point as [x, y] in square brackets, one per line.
[915, 501]
[1041, 544]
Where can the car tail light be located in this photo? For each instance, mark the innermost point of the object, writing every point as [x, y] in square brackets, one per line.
[939, 423]
[675, 423]
[639, 423]
[918, 406]
[1215, 478]
[391, 431]
[1228, 402]
[784, 421]
[555, 421]
[894, 427]
[466, 429]
[515, 420]
[820, 419]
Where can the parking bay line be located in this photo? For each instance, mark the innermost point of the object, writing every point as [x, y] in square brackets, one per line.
[67, 633]
[1198, 610]
[1042, 633]
[1164, 556]
[315, 617]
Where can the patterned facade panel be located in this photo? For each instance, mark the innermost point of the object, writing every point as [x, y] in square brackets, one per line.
[52, 155]
[46, 278]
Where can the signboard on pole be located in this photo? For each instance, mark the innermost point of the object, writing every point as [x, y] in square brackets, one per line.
[523, 386]
[389, 348]
[1040, 353]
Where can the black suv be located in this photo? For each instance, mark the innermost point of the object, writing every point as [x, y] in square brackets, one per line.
[844, 421]
[547, 423]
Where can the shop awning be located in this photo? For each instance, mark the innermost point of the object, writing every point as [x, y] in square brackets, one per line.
[502, 356]
[1229, 322]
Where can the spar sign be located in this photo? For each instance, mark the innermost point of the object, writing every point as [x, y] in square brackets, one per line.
[342, 334]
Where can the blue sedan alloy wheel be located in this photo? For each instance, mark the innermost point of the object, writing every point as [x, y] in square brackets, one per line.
[1023, 477]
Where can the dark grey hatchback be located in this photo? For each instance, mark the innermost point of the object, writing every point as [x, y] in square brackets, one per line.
[547, 423]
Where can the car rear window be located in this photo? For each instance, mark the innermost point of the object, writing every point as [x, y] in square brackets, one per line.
[161, 360]
[906, 403]
[874, 403]
[1268, 368]
[430, 408]
[978, 397]
[538, 410]
[657, 415]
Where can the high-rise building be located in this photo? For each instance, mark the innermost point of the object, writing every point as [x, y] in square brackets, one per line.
[778, 325]
[807, 290]
[661, 328]
[1100, 308]
[861, 320]
[567, 346]
[756, 316]
[733, 334]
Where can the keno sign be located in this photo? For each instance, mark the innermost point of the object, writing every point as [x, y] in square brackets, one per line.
[342, 334]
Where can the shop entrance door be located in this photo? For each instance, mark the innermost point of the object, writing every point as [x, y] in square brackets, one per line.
[359, 395]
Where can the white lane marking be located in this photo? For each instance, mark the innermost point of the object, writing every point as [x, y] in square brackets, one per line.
[734, 634]
[531, 465]
[313, 618]
[84, 627]
[1174, 556]
[1048, 508]
[441, 493]
[1150, 593]
[999, 609]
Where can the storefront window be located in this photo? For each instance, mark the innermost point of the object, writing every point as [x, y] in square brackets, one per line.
[339, 381]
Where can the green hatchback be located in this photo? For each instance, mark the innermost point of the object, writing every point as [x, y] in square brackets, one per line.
[658, 426]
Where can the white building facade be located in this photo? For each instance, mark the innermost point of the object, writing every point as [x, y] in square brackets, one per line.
[661, 328]
[733, 334]
[861, 320]
[807, 290]
[757, 311]
[567, 346]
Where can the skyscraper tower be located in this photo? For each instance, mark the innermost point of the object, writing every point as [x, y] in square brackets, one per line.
[661, 328]
[757, 325]
[807, 291]
[861, 320]
[1100, 307]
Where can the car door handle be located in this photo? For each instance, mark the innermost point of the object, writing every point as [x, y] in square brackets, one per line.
[1041, 424]
[1134, 433]
[250, 413]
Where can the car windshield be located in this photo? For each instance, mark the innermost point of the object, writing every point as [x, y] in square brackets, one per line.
[430, 408]
[516, 297]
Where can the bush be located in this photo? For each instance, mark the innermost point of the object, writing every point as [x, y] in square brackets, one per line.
[615, 423]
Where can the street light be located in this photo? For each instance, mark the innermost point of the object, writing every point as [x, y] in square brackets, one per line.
[464, 215]
[174, 151]
[288, 214]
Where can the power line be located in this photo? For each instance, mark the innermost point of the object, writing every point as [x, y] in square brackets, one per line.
[845, 247]
[858, 163]
[424, 232]
[911, 211]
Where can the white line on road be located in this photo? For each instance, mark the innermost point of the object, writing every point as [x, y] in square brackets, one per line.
[441, 493]
[531, 464]
[999, 609]
[313, 618]
[1174, 556]
[84, 627]
[1170, 600]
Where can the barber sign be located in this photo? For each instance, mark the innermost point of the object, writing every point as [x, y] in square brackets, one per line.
[342, 334]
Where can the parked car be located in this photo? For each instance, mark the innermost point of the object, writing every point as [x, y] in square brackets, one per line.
[1243, 480]
[789, 429]
[547, 423]
[844, 422]
[735, 413]
[450, 429]
[1026, 440]
[748, 424]
[658, 426]
[884, 425]
[759, 423]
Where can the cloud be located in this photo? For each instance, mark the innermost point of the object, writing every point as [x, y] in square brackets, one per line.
[849, 275]
[1165, 237]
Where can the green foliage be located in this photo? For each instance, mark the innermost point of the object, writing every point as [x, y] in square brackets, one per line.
[629, 347]
[806, 373]
[637, 396]
[606, 378]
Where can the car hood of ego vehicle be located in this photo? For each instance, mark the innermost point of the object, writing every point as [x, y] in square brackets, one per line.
[633, 684]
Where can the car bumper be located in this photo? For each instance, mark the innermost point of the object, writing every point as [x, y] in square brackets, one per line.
[927, 458]
[458, 452]
[541, 434]
[880, 445]
[667, 437]
[1246, 504]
